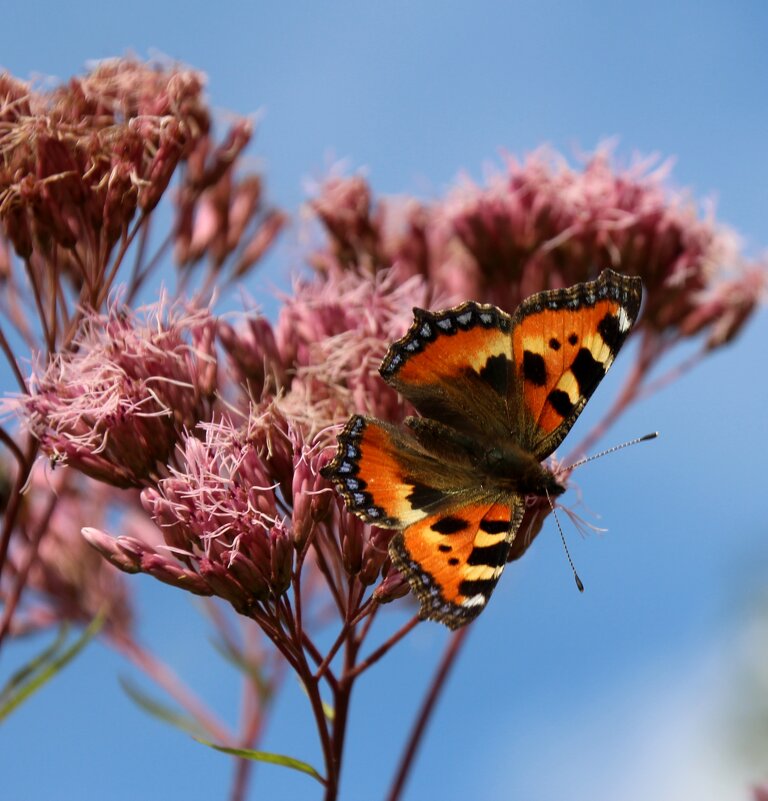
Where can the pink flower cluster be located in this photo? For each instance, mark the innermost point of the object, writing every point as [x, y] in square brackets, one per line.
[223, 426]
[78, 162]
[540, 223]
[83, 166]
[115, 406]
[220, 446]
[65, 578]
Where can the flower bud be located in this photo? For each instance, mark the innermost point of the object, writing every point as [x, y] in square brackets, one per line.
[393, 586]
[281, 558]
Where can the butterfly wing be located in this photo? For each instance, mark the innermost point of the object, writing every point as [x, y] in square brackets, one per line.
[454, 534]
[479, 377]
[454, 366]
[563, 342]
[453, 559]
[388, 478]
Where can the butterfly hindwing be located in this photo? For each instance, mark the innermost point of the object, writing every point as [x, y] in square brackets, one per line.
[453, 560]
[451, 356]
[564, 341]
[454, 537]
[388, 478]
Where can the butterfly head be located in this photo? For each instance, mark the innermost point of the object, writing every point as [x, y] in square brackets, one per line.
[514, 469]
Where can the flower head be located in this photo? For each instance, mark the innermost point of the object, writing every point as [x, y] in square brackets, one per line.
[223, 516]
[254, 358]
[219, 215]
[66, 581]
[334, 333]
[541, 223]
[76, 163]
[116, 405]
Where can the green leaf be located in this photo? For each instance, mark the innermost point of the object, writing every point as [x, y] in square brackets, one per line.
[160, 710]
[328, 710]
[30, 678]
[266, 756]
[241, 662]
[23, 673]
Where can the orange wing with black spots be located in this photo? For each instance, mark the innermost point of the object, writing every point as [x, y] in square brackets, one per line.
[449, 357]
[388, 478]
[455, 534]
[454, 560]
[563, 342]
[498, 394]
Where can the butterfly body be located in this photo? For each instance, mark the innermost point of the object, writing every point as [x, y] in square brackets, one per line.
[496, 394]
[501, 464]
[513, 469]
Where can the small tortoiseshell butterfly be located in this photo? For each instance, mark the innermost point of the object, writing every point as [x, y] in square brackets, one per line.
[497, 394]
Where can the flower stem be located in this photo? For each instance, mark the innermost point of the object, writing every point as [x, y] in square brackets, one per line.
[12, 362]
[14, 596]
[382, 649]
[341, 698]
[164, 677]
[14, 503]
[409, 752]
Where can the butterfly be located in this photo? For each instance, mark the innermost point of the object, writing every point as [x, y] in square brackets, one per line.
[496, 395]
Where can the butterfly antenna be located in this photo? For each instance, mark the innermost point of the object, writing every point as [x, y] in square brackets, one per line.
[562, 538]
[615, 448]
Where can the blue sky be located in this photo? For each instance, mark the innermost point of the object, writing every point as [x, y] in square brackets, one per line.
[623, 692]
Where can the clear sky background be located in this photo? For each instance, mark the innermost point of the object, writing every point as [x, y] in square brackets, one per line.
[623, 693]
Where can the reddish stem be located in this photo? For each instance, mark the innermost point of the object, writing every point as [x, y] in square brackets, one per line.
[12, 363]
[124, 246]
[48, 335]
[382, 649]
[420, 724]
[14, 596]
[164, 677]
[10, 443]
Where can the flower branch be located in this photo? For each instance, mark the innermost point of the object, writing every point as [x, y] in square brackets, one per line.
[209, 435]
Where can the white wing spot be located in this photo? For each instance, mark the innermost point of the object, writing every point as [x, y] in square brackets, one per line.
[623, 320]
[474, 600]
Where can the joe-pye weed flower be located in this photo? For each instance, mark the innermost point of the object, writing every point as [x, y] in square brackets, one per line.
[216, 427]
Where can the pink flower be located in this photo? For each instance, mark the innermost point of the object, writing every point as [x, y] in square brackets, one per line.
[334, 333]
[254, 359]
[726, 307]
[116, 405]
[227, 530]
[220, 216]
[343, 205]
[77, 162]
[538, 224]
[66, 581]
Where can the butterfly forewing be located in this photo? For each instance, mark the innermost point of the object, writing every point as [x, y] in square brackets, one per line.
[454, 560]
[563, 343]
[447, 357]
